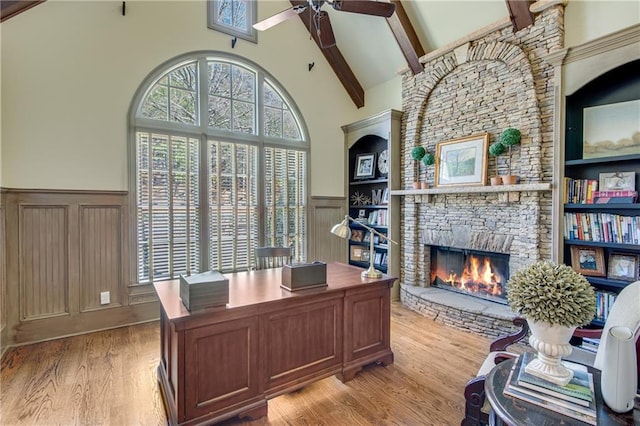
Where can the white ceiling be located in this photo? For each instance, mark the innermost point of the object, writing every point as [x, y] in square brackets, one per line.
[368, 46]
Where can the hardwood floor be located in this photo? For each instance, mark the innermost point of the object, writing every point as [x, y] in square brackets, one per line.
[109, 378]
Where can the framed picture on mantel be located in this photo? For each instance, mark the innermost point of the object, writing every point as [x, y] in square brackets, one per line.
[462, 161]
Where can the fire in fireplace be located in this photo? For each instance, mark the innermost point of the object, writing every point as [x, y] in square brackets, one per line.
[480, 274]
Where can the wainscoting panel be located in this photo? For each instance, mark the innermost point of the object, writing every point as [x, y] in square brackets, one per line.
[3, 280]
[44, 261]
[325, 212]
[62, 249]
[100, 260]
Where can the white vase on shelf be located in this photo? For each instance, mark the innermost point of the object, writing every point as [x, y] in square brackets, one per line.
[619, 375]
[552, 343]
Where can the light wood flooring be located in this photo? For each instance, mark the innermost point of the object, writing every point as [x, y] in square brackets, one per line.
[109, 378]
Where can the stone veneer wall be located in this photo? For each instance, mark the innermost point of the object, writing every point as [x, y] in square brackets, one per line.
[486, 85]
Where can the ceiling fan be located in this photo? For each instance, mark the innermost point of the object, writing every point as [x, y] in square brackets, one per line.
[320, 18]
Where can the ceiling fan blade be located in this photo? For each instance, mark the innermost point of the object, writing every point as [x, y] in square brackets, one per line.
[274, 20]
[324, 30]
[367, 7]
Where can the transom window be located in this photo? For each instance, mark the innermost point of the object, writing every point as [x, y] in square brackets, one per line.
[233, 17]
[220, 161]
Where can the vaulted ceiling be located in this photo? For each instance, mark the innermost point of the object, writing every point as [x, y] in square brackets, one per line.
[371, 50]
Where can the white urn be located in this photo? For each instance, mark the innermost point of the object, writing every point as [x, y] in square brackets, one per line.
[552, 343]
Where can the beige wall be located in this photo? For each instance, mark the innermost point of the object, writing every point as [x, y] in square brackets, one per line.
[70, 70]
[586, 20]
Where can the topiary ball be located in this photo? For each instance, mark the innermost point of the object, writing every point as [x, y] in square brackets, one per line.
[496, 149]
[510, 136]
[418, 152]
[428, 159]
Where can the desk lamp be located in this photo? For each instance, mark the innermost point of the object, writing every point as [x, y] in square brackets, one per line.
[342, 230]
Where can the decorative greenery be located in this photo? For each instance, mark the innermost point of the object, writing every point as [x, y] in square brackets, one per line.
[510, 136]
[418, 152]
[552, 293]
[495, 150]
[428, 159]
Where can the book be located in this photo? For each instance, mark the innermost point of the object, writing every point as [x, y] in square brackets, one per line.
[566, 408]
[579, 390]
[617, 193]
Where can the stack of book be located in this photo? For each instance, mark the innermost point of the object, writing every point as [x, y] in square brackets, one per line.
[575, 400]
[615, 197]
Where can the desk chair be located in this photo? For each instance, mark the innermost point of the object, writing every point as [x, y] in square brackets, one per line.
[272, 257]
[624, 312]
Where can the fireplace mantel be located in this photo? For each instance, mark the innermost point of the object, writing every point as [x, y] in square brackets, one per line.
[523, 187]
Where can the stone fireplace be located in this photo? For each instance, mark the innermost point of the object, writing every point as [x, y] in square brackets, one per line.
[493, 80]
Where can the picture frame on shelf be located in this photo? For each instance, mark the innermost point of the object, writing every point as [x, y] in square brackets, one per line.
[356, 253]
[623, 266]
[608, 130]
[588, 260]
[365, 256]
[617, 181]
[365, 166]
[357, 235]
[462, 162]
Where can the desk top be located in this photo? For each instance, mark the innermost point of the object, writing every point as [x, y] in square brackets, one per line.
[252, 288]
[513, 411]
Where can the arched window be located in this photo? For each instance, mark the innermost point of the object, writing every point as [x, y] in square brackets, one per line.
[219, 166]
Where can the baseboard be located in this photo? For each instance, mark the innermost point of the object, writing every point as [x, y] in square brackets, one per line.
[87, 322]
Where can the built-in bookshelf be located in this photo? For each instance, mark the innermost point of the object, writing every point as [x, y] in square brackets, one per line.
[372, 154]
[601, 213]
[369, 200]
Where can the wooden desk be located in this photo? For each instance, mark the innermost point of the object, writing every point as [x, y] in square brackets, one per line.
[507, 410]
[222, 362]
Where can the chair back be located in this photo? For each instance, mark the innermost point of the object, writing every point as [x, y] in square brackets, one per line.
[272, 257]
[624, 312]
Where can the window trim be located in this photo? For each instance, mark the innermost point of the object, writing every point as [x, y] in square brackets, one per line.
[202, 132]
[252, 14]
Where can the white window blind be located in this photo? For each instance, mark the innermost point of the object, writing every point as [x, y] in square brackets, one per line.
[211, 185]
[167, 207]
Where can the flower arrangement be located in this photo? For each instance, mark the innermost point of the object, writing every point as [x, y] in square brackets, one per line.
[552, 293]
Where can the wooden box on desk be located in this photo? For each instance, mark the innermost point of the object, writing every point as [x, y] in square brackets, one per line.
[205, 290]
[304, 275]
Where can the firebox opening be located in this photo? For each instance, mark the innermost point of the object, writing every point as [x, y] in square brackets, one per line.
[474, 272]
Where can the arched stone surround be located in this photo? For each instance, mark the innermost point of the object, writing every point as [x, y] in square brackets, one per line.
[497, 81]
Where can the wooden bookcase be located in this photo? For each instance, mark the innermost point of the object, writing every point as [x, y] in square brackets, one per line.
[587, 226]
[368, 189]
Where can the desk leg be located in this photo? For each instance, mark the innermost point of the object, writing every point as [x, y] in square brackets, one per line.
[349, 373]
[255, 413]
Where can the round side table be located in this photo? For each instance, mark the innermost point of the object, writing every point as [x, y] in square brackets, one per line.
[510, 411]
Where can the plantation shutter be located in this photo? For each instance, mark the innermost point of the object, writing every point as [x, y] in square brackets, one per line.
[167, 208]
[285, 199]
[220, 168]
[233, 205]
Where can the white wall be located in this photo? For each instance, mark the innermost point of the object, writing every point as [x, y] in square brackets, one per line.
[589, 19]
[584, 20]
[70, 70]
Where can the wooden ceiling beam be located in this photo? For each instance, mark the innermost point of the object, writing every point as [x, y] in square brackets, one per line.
[336, 60]
[10, 9]
[521, 16]
[406, 37]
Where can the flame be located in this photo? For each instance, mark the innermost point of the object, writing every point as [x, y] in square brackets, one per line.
[478, 276]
